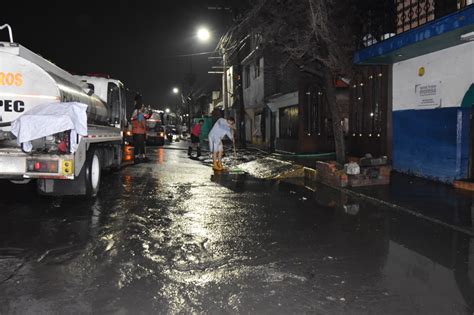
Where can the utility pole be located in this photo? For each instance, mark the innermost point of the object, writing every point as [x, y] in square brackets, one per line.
[218, 7]
[224, 84]
[240, 91]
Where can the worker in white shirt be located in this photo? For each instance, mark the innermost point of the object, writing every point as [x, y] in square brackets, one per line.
[223, 127]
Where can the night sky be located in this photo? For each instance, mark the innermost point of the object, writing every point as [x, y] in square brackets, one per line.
[137, 42]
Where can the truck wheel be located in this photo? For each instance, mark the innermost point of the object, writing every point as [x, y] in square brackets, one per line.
[93, 173]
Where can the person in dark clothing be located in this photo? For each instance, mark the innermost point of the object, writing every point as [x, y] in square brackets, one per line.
[139, 130]
[195, 139]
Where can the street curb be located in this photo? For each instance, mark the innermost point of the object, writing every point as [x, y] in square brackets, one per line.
[470, 232]
[415, 213]
[310, 174]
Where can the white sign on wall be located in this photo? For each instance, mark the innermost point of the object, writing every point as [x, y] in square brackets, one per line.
[428, 94]
[452, 66]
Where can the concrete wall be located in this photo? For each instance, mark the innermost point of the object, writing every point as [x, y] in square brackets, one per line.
[253, 97]
[431, 131]
[278, 80]
[254, 94]
[452, 70]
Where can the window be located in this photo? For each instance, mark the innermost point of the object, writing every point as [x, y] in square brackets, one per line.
[368, 102]
[113, 100]
[247, 76]
[317, 113]
[257, 69]
[123, 102]
[289, 122]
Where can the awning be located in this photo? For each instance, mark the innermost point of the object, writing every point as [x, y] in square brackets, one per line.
[433, 36]
[280, 101]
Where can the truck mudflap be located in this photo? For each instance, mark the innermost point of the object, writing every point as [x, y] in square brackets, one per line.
[16, 164]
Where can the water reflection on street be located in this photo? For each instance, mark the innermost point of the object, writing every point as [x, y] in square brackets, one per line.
[171, 236]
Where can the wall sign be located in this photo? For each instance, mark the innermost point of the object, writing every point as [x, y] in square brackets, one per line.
[428, 94]
[421, 71]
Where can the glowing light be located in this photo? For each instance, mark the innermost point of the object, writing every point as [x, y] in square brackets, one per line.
[203, 34]
[175, 90]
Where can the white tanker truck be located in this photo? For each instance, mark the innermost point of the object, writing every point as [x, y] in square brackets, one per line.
[26, 81]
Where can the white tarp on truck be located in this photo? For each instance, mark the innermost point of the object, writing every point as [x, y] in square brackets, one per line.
[49, 119]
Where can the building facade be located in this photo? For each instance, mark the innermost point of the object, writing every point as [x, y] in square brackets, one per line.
[429, 54]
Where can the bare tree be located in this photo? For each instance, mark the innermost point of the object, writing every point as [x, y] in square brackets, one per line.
[317, 36]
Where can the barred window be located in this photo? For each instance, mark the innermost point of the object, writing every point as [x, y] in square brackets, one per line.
[366, 115]
[318, 120]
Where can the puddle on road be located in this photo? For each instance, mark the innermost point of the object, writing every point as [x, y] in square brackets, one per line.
[230, 244]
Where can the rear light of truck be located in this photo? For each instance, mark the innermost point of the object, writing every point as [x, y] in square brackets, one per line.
[67, 167]
[42, 166]
[128, 153]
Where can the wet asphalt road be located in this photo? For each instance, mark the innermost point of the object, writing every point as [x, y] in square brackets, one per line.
[169, 236]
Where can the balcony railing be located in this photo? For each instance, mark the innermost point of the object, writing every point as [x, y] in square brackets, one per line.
[388, 18]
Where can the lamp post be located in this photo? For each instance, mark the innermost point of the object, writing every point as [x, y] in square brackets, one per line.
[238, 90]
[202, 35]
[224, 83]
[177, 91]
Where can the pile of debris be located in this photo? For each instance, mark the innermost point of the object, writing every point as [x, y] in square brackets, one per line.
[365, 171]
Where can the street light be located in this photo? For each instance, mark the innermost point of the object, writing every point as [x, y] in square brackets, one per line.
[203, 34]
[175, 90]
[167, 110]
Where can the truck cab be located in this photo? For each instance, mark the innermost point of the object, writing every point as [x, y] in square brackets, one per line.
[113, 93]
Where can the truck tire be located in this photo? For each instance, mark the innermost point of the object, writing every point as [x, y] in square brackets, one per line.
[93, 172]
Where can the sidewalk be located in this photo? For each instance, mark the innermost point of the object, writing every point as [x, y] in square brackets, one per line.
[436, 202]
[433, 201]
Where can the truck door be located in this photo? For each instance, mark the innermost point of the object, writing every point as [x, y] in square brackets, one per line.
[123, 106]
[113, 101]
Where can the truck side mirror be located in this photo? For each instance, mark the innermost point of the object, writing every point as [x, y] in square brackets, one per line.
[89, 89]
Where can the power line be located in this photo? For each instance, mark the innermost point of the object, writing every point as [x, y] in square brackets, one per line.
[189, 55]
